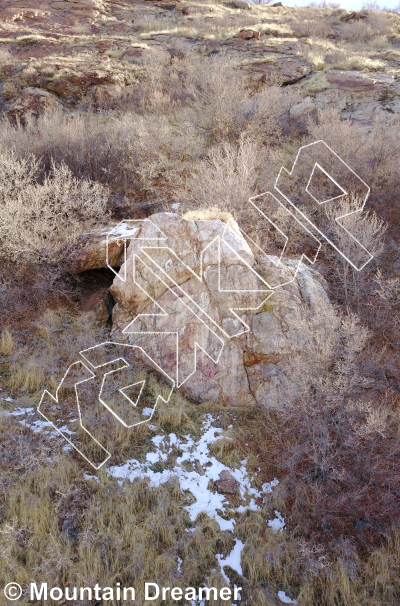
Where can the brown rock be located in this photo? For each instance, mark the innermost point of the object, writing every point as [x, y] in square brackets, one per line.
[227, 483]
[356, 81]
[32, 101]
[353, 15]
[240, 4]
[100, 303]
[286, 69]
[10, 91]
[93, 251]
[133, 53]
[104, 95]
[247, 34]
[71, 87]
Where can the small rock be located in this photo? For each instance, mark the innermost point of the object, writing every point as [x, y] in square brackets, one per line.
[353, 15]
[277, 4]
[357, 81]
[100, 303]
[240, 4]
[302, 109]
[227, 483]
[247, 34]
[69, 530]
[133, 52]
[185, 10]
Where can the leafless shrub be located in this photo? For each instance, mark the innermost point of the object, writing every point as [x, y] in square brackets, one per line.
[6, 57]
[218, 93]
[226, 178]
[369, 231]
[385, 303]
[329, 424]
[376, 24]
[136, 155]
[310, 24]
[345, 138]
[40, 221]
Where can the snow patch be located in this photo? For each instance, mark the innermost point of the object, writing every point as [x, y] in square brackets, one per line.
[285, 599]
[278, 523]
[232, 560]
[194, 454]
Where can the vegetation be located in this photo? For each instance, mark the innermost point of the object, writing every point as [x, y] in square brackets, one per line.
[199, 132]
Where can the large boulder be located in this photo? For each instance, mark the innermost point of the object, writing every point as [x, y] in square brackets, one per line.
[207, 266]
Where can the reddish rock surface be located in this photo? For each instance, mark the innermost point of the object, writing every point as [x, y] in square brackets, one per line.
[100, 304]
[227, 483]
[66, 52]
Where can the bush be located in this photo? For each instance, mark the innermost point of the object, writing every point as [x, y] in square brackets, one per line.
[40, 221]
[376, 24]
[334, 446]
[226, 178]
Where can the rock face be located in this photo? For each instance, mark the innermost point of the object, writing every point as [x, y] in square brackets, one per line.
[32, 101]
[97, 248]
[287, 70]
[178, 295]
[357, 95]
[64, 53]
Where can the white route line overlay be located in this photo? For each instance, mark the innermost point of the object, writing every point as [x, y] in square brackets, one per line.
[271, 258]
[129, 226]
[337, 219]
[164, 313]
[93, 375]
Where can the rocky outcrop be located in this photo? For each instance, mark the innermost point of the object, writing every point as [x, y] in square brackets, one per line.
[286, 70]
[63, 53]
[176, 299]
[97, 249]
[358, 95]
[33, 101]
[100, 304]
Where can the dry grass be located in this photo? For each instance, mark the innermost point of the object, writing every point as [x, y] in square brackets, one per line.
[317, 60]
[207, 215]
[54, 520]
[193, 130]
[55, 341]
[315, 84]
[71, 531]
[28, 377]
[376, 24]
[6, 341]
[362, 62]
